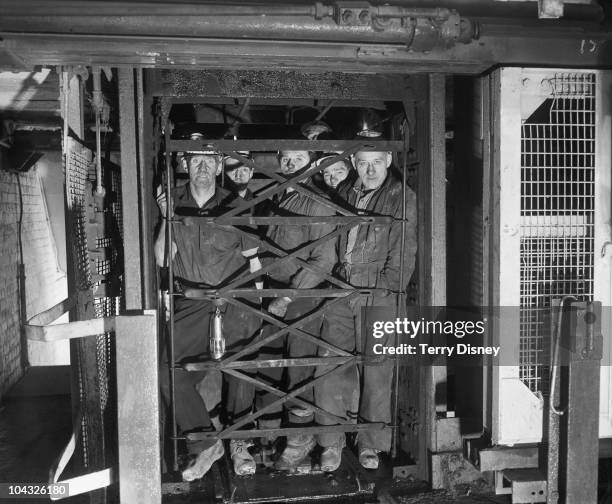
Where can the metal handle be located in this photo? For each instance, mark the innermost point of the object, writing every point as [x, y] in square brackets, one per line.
[554, 363]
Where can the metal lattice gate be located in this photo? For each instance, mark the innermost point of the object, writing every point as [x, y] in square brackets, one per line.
[237, 363]
[95, 259]
[553, 199]
[557, 213]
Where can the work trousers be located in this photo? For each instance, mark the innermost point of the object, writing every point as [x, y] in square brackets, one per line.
[192, 324]
[290, 346]
[340, 393]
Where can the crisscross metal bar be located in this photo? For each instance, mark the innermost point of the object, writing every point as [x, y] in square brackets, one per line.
[300, 188]
[283, 259]
[286, 397]
[285, 328]
[290, 182]
[296, 400]
[271, 247]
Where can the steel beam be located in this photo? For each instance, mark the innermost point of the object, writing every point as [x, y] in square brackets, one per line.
[580, 436]
[202, 217]
[270, 363]
[275, 145]
[287, 431]
[130, 192]
[580, 48]
[292, 293]
[138, 409]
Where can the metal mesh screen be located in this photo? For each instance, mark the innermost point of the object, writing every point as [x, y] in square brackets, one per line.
[557, 206]
[77, 165]
[96, 250]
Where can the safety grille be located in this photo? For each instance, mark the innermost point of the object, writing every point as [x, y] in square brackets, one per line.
[557, 206]
[77, 165]
[97, 254]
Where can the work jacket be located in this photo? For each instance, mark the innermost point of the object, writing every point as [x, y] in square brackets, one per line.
[290, 237]
[374, 261]
[207, 253]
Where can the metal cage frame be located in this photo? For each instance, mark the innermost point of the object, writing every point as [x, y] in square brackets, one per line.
[232, 365]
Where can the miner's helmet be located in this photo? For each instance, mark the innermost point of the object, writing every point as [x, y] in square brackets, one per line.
[230, 162]
[205, 149]
[187, 132]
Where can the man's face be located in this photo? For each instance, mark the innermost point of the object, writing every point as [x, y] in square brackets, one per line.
[334, 174]
[292, 161]
[240, 175]
[372, 167]
[203, 169]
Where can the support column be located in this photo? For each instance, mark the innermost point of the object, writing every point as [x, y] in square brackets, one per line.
[136, 343]
[432, 247]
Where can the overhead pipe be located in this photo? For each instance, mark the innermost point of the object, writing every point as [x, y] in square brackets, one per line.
[419, 29]
[319, 10]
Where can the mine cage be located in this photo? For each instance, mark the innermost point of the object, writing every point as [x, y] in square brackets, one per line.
[435, 417]
[506, 147]
[402, 110]
[553, 195]
[407, 100]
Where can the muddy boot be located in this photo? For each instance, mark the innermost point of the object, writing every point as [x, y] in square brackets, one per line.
[368, 458]
[201, 464]
[332, 455]
[243, 462]
[297, 449]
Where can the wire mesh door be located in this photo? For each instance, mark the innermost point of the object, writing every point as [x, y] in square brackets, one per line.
[95, 259]
[234, 292]
[552, 207]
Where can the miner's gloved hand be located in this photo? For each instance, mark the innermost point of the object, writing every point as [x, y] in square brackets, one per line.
[278, 306]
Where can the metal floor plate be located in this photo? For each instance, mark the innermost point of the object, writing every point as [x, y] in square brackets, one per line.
[269, 485]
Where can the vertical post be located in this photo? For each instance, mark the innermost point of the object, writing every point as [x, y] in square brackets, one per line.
[580, 437]
[85, 386]
[138, 409]
[432, 242]
[169, 218]
[136, 339]
[130, 191]
[401, 296]
[144, 127]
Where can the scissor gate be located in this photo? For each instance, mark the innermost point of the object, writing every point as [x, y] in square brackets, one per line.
[233, 364]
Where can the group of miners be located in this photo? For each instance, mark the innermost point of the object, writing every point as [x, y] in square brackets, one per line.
[366, 256]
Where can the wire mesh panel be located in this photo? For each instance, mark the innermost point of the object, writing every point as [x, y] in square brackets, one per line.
[78, 160]
[96, 258]
[557, 213]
